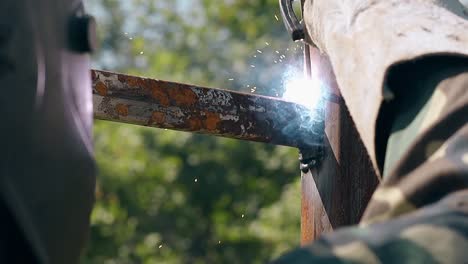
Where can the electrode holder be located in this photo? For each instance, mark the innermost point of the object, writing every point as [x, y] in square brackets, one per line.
[294, 26]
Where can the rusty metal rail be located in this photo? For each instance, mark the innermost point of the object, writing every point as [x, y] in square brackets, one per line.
[162, 104]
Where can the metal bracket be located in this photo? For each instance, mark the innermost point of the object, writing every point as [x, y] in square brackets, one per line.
[291, 22]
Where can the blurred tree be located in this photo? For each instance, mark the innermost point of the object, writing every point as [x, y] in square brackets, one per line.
[174, 197]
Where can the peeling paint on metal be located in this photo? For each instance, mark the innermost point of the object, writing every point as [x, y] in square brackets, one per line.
[229, 117]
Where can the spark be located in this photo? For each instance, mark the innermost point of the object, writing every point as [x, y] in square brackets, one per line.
[141, 52]
[219, 242]
[259, 51]
[255, 56]
[160, 246]
[253, 66]
[277, 19]
[242, 215]
[196, 180]
[130, 38]
[276, 61]
[277, 52]
[266, 43]
[231, 79]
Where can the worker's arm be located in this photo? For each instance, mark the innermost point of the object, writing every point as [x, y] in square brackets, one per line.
[364, 38]
[435, 234]
[403, 72]
[419, 213]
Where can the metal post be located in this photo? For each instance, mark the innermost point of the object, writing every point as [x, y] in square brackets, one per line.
[336, 192]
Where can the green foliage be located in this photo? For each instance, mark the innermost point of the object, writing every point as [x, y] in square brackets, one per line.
[174, 197]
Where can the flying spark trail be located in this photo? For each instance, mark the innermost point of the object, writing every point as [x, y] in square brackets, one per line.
[277, 19]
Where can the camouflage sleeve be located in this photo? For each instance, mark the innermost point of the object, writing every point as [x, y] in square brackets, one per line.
[419, 213]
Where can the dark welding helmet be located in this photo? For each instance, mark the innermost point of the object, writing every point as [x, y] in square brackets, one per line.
[47, 172]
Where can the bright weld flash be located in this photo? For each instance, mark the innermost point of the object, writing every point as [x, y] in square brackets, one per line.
[303, 91]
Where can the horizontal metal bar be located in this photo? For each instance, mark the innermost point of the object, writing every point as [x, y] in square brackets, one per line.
[170, 105]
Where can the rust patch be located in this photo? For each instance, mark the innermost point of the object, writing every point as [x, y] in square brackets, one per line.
[128, 80]
[101, 88]
[194, 123]
[158, 118]
[212, 121]
[133, 82]
[160, 96]
[182, 96]
[121, 109]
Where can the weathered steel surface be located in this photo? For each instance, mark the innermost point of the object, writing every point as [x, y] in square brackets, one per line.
[156, 103]
[314, 217]
[337, 192]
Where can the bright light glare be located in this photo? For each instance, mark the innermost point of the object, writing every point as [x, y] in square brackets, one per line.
[303, 91]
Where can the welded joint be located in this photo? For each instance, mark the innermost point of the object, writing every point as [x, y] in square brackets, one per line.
[310, 158]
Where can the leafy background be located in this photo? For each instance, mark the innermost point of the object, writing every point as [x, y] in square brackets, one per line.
[174, 197]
